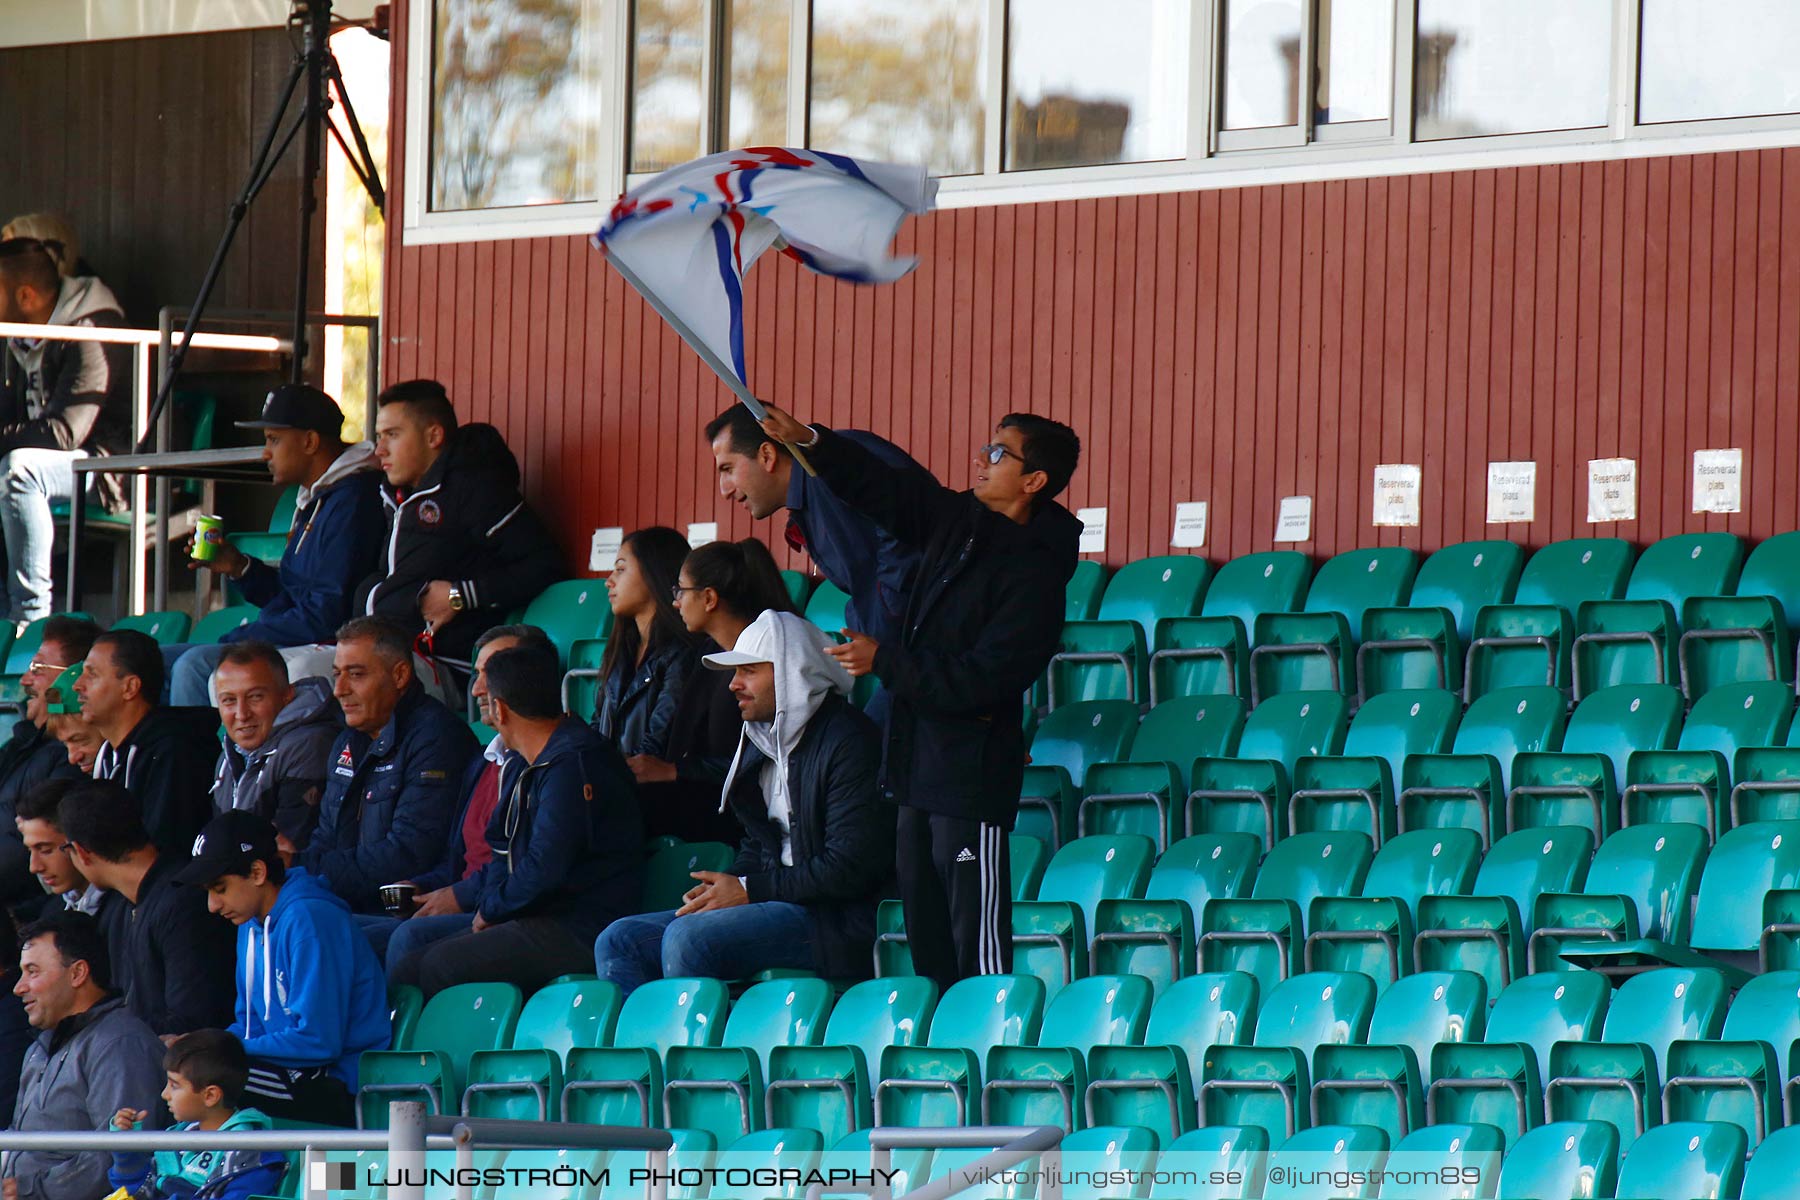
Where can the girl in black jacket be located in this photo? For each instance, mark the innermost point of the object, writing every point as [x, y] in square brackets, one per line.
[651, 655]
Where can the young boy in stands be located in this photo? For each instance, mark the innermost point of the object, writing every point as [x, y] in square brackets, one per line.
[206, 1073]
[310, 995]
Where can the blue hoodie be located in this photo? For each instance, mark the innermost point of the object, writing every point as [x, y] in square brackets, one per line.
[310, 990]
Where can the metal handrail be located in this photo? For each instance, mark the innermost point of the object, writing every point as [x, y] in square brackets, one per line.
[1013, 1144]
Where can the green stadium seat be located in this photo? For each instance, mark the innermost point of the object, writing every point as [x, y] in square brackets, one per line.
[826, 1087]
[524, 1081]
[1044, 1084]
[1373, 932]
[1570, 1160]
[620, 1084]
[1527, 642]
[1154, 937]
[827, 607]
[1472, 1151]
[1747, 635]
[405, 1003]
[1691, 782]
[1420, 645]
[1488, 930]
[456, 1023]
[1774, 1166]
[1765, 781]
[1578, 785]
[571, 611]
[576, 1174]
[1314, 649]
[933, 1083]
[1355, 790]
[720, 1088]
[1740, 1078]
[1382, 1083]
[1050, 934]
[1465, 788]
[216, 624]
[1066, 744]
[1262, 934]
[1103, 1153]
[1633, 639]
[972, 1185]
[1239, 1152]
[1152, 1085]
[1311, 1164]
[1209, 654]
[1108, 658]
[669, 873]
[1263, 1083]
[693, 1148]
[1683, 1160]
[1619, 1078]
[1144, 794]
[1087, 583]
[1499, 1080]
[268, 546]
[168, 628]
[799, 587]
[789, 1150]
[911, 1167]
[1640, 884]
[581, 682]
[1246, 791]
[1028, 857]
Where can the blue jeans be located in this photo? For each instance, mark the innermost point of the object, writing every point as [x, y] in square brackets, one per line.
[394, 939]
[189, 670]
[726, 943]
[30, 481]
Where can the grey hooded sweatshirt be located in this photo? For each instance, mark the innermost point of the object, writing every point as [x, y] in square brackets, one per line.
[283, 778]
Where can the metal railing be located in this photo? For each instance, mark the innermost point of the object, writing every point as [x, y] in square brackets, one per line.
[1012, 1145]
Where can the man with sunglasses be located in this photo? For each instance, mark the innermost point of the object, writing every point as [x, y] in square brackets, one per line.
[984, 617]
[31, 755]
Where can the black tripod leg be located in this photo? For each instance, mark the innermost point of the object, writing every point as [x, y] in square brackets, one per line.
[362, 161]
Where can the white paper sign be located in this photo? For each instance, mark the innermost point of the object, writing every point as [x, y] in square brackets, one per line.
[1093, 530]
[1612, 489]
[1190, 524]
[1397, 494]
[605, 550]
[1718, 481]
[1293, 522]
[1511, 492]
[702, 532]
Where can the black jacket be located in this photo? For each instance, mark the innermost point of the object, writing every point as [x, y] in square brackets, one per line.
[166, 761]
[176, 963]
[566, 838]
[842, 834]
[983, 619]
[28, 758]
[466, 523]
[637, 704]
[703, 735]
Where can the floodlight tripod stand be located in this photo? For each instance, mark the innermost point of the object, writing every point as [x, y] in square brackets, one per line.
[318, 81]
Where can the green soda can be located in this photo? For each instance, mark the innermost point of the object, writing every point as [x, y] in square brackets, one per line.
[209, 535]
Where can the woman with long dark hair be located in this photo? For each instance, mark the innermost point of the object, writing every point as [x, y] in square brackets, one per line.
[650, 656]
[723, 587]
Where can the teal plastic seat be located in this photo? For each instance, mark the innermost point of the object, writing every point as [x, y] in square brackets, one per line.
[1239, 1152]
[1527, 642]
[1154, 937]
[934, 1083]
[1109, 658]
[1420, 645]
[405, 1005]
[1314, 650]
[456, 1023]
[1099, 1154]
[1209, 654]
[827, 607]
[621, 1084]
[1740, 1077]
[799, 586]
[523, 1082]
[1619, 1078]
[1373, 932]
[1579, 785]
[1765, 782]
[720, 1088]
[1640, 884]
[1685, 1159]
[1263, 934]
[1066, 744]
[1355, 790]
[693, 1148]
[1569, 1160]
[1265, 1082]
[788, 1150]
[826, 1087]
[1144, 794]
[1152, 1085]
[1314, 1163]
[1473, 1152]
[1633, 639]
[1691, 782]
[269, 546]
[581, 682]
[669, 873]
[973, 1186]
[570, 611]
[1467, 787]
[1747, 635]
[221, 621]
[1087, 583]
[1382, 1083]
[1045, 1084]
[168, 628]
[1499, 1080]
[1488, 930]
[1027, 857]
[911, 1167]
[560, 1174]
[1050, 934]
[1245, 792]
[1774, 1166]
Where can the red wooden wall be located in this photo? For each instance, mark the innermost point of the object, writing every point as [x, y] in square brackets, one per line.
[1233, 346]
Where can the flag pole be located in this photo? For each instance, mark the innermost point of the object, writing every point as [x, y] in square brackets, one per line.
[738, 387]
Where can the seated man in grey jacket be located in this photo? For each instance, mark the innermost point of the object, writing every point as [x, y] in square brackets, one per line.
[91, 1058]
[279, 735]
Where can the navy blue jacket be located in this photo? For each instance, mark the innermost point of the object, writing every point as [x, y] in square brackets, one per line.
[567, 840]
[872, 566]
[335, 542]
[389, 800]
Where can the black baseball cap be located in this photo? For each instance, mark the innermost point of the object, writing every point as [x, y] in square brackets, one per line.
[299, 406]
[228, 845]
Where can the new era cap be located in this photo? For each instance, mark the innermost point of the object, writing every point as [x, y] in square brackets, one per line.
[298, 406]
[228, 845]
